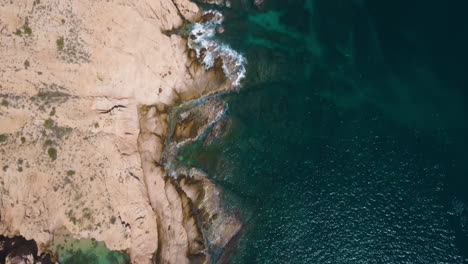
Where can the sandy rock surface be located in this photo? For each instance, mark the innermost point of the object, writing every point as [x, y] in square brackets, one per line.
[73, 76]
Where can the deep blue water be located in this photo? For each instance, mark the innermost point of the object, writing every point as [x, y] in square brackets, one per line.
[348, 140]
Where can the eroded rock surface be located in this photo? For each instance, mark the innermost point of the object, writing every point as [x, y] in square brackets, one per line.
[80, 144]
[191, 218]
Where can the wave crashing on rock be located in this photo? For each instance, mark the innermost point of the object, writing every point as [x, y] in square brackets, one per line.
[208, 49]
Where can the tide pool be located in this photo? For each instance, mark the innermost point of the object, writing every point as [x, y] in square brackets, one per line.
[86, 251]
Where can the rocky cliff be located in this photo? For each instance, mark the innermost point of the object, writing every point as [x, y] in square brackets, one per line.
[85, 93]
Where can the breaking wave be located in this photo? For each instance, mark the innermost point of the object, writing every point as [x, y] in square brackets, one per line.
[208, 49]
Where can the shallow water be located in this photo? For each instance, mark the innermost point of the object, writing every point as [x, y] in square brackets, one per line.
[349, 135]
[86, 251]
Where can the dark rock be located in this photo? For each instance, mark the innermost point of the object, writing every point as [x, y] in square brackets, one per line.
[189, 125]
[19, 250]
[219, 130]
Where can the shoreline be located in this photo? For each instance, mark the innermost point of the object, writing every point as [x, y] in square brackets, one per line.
[198, 115]
[87, 150]
[204, 217]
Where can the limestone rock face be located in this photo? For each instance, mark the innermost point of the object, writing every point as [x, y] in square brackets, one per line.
[72, 76]
[85, 92]
[187, 9]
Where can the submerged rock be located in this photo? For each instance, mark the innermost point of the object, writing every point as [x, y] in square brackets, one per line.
[219, 130]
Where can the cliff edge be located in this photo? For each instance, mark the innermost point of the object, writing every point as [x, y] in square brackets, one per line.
[85, 87]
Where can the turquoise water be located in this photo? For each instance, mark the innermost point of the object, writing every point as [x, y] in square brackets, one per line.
[86, 251]
[348, 138]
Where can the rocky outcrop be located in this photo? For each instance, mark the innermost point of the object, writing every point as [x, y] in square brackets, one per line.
[190, 122]
[18, 250]
[210, 52]
[86, 138]
[219, 130]
[85, 89]
[191, 218]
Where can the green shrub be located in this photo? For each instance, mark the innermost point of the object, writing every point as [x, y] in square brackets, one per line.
[52, 153]
[60, 43]
[48, 142]
[49, 123]
[27, 29]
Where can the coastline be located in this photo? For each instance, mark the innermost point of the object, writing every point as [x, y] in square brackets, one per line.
[146, 211]
[209, 227]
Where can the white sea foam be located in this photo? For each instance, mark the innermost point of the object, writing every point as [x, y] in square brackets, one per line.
[208, 49]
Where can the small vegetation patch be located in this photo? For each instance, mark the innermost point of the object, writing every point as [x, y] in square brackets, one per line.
[49, 124]
[112, 220]
[52, 153]
[70, 173]
[3, 138]
[26, 64]
[4, 103]
[58, 131]
[48, 142]
[23, 140]
[71, 47]
[27, 30]
[49, 97]
[60, 43]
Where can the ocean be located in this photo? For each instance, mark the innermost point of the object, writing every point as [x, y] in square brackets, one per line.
[348, 138]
